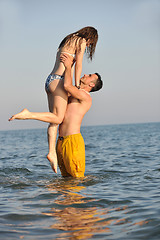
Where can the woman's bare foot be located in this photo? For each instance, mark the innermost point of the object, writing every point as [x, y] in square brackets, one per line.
[52, 157]
[24, 114]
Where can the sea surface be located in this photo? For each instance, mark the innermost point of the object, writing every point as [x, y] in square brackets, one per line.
[119, 197]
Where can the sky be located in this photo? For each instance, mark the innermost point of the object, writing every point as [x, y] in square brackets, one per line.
[127, 57]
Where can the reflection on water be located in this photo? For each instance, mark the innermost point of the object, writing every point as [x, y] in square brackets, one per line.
[74, 218]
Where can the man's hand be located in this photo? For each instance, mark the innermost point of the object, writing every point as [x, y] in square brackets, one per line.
[66, 60]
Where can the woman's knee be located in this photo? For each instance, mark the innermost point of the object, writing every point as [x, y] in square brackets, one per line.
[52, 125]
[56, 120]
[60, 119]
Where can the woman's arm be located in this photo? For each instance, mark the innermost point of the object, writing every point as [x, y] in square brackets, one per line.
[78, 64]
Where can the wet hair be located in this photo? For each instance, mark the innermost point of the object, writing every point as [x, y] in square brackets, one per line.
[98, 83]
[87, 33]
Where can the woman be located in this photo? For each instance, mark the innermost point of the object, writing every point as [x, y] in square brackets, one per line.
[74, 44]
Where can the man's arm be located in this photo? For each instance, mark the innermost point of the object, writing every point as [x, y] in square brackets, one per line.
[74, 91]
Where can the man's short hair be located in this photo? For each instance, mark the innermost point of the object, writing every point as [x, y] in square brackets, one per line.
[98, 83]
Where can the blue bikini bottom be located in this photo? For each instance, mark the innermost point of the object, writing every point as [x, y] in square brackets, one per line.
[50, 78]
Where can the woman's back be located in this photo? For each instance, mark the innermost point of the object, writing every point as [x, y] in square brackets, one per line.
[71, 50]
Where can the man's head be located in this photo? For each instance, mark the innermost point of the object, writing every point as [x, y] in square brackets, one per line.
[92, 82]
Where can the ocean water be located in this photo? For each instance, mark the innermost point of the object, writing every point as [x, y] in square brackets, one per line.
[119, 197]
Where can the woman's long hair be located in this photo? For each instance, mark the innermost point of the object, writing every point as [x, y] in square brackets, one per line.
[87, 33]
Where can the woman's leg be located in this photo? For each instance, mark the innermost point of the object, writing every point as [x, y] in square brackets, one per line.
[41, 116]
[57, 103]
[52, 134]
[57, 97]
[52, 156]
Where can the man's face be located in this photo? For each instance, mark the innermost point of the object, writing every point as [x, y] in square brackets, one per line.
[87, 79]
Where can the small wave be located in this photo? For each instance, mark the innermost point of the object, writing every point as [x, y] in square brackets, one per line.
[158, 169]
[41, 165]
[89, 146]
[32, 156]
[7, 158]
[9, 170]
[104, 202]
[22, 217]
[44, 196]
[20, 185]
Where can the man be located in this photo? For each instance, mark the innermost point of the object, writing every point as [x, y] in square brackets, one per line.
[70, 144]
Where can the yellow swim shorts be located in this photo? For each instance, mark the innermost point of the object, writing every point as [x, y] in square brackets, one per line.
[71, 155]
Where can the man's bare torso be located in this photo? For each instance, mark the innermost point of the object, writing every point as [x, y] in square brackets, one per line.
[76, 109]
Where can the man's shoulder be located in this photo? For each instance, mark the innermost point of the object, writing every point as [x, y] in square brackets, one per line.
[81, 96]
[86, 95]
